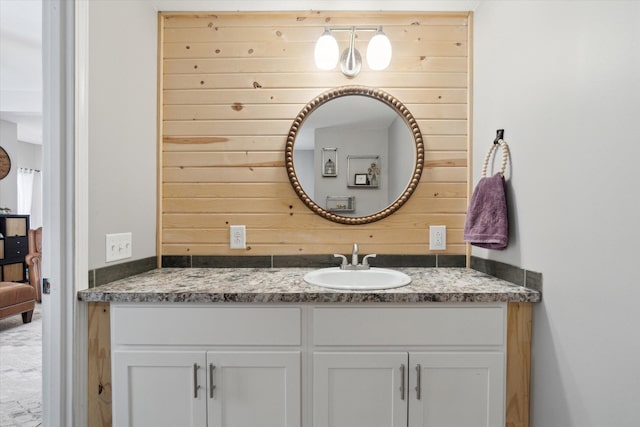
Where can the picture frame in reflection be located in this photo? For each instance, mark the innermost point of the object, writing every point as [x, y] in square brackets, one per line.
[361, 179]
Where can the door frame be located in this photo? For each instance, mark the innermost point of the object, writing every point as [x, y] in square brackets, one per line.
[65, 200]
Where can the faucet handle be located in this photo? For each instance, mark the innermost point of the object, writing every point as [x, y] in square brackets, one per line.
[365, 261]
[344, 259]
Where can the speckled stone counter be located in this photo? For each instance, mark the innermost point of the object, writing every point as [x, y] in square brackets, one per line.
[286, 285]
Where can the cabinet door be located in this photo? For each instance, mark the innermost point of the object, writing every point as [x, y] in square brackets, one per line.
[456, 389]
[253, 389]
[363, 389]
[159, 389]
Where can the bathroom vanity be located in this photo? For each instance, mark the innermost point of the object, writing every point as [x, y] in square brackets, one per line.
[259, 347]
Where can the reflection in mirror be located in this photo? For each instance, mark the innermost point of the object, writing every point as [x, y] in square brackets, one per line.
[354, 154]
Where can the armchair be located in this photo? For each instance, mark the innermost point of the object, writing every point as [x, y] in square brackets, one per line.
[34, 261]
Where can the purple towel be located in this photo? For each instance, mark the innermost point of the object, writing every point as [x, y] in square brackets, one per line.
[487, 223]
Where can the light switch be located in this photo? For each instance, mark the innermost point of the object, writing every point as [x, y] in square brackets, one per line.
[118, 246]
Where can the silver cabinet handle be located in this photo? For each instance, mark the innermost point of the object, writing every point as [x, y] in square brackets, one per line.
[418, 381]
[195, 380]
[212, 387]
[402, 382]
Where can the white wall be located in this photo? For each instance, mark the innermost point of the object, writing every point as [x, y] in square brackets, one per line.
[22, 155]
[563, 79]
[122, 125]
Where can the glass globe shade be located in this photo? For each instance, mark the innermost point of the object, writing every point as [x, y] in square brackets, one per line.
[379, 52]
[326, 53]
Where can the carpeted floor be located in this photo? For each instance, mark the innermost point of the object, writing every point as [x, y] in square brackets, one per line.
[21, 371]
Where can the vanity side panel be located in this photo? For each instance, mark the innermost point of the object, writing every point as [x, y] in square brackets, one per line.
[99, 365]
[518, 364]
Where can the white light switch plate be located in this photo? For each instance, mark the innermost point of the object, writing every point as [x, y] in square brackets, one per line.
[118, 246]
[438, 237]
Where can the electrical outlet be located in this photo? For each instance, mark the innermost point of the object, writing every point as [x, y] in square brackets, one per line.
[118, 246]
[438, 237]
[237, 237]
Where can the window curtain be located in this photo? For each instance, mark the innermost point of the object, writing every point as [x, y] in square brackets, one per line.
[28, 180]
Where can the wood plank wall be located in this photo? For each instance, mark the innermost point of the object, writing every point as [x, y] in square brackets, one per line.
[99, 408]
[231, 85]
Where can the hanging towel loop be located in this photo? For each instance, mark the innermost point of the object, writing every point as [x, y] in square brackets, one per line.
[499, 135]
[487, 221]
[505, 156]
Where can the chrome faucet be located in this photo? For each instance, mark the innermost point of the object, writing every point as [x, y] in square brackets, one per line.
[344, 265]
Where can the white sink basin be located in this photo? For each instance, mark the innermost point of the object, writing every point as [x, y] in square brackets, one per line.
[357, 280]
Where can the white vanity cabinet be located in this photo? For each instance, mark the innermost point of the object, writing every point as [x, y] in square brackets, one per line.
[253, 388]
[359, 389]
[179, 365]
[436, 366]
[167, 388]
[157, 388]
[334, 365]
[413, 389]
[456, 389]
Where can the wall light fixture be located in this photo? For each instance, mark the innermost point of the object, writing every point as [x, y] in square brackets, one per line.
[327, 52]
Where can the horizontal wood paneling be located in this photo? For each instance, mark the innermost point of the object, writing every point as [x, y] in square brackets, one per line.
[312, 19]
[271, 142]
[231, 85]
[282, 127]
[444, 50]
[188, 159]
[300, 97]
[288, 204]
[305, 220]
[276, 190]
[265, 236]
[306, 248]
[286, 111]
[218, 78]
[257, 35]
[228, 158]
[304, 64]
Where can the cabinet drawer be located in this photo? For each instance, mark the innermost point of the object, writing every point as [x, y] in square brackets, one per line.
[204, 325]
[445, 326]
[16, 247]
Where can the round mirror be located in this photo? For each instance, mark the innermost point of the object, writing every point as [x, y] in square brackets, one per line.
[354, 154]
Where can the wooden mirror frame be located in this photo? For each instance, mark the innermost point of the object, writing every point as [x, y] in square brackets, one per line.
[382, 96]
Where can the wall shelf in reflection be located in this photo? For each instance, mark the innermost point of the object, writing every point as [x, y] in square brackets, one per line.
[363, 171]
[341, 203]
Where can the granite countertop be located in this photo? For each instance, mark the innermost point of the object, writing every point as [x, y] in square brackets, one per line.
[286, 285]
